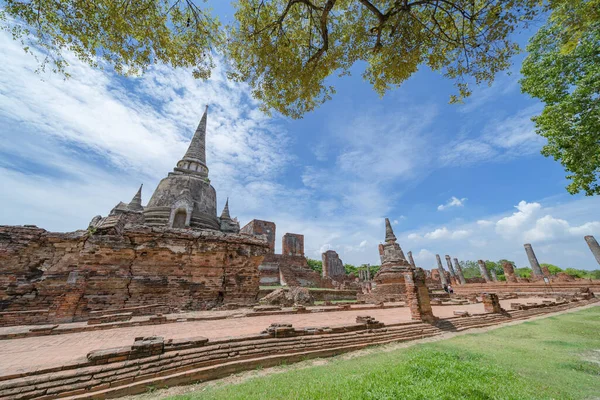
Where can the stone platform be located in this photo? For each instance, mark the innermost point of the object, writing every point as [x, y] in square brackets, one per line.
[30, 353]
[149, 362]
[52, 277]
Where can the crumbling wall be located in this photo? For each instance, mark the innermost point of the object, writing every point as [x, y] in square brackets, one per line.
[259, 227]
[70, 275]
[332, 265]
[292, 245]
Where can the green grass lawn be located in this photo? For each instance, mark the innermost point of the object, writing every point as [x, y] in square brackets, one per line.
[553, 358]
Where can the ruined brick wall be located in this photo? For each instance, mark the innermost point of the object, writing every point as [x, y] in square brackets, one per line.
[332, 265]
[294, 271]
[73, 274]
[491, 303]
[269, 270]
[259, 227]
[292, 245]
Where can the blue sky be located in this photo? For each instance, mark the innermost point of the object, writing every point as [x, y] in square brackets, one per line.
[465, 180]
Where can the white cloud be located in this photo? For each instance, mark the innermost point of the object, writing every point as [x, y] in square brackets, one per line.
[508, 226]
[445, 233]
[502, 139]
[424, 258]
[556, 234]
[515, 133]
[452, 202]
[548, 228]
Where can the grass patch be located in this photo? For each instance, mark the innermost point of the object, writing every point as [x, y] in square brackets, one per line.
[545, 359]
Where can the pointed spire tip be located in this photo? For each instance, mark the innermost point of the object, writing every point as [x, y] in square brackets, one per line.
[389, 232]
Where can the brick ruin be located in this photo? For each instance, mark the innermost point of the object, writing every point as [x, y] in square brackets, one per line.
[398, 280]
[289, 268]
[176, 254]
[173, 254]
[541, 281]
[332, 265]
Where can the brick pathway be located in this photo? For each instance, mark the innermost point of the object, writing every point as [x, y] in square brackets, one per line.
[18, 355]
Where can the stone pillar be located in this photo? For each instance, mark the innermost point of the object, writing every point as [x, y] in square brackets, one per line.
[535, 266]
[411, 260]
[494, 276]
[417, 295]
[491, 303]
[594, 247]
[484, 271]
[459, 272]
[453, 276]
[368, 272]
[441, 269]
[509, 272]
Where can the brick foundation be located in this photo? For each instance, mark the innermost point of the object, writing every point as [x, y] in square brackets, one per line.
[72, 275]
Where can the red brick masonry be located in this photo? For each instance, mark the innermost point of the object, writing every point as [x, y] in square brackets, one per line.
[153, 362]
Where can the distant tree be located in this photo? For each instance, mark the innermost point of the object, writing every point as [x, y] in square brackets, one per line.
[552, 268]
[523, 272]
[496, 267]
[351, 269]
[374, 270]
[470, 269]
[315, 265]
[578, 273]
[595, 274]
[562, 70]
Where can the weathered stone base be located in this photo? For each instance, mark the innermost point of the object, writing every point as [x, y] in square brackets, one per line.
[64, 277]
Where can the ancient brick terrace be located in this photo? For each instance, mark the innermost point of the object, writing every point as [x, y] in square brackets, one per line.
[128, 360]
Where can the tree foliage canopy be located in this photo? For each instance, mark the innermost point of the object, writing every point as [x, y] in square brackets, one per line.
[563, 71]
[128, 35]
[286, 49]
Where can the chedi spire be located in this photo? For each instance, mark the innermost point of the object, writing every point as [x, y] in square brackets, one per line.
[225, 213]
[194, 160]
[389, 233]
[136, 203]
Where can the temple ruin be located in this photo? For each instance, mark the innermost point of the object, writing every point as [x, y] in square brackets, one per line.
[173, 254]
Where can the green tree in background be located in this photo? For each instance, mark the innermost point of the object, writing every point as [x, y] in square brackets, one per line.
[524, 272]
[351, 269]
[563, 71]
[552, 268]
[315, 265]
[470, 269]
